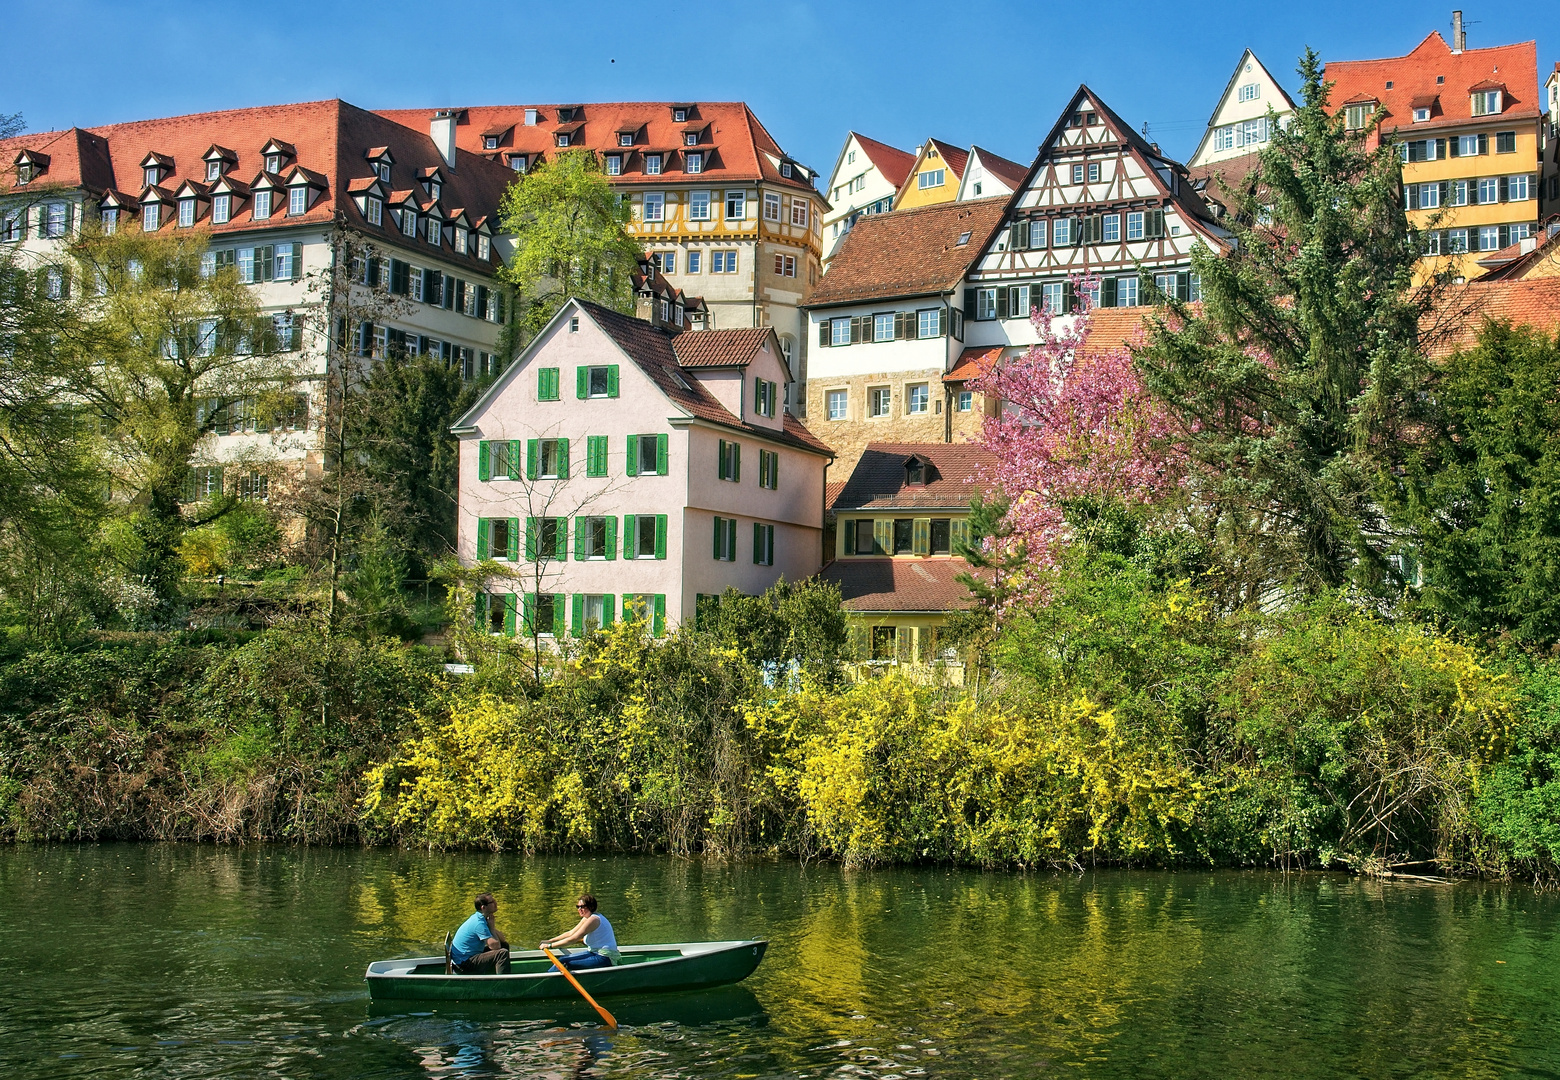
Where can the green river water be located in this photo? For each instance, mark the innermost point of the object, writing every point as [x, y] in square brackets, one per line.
[190, 961]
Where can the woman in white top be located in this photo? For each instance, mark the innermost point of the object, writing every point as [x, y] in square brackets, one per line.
[594, 932]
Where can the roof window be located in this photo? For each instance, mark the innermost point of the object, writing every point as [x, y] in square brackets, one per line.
[530, 118]
[964, 238]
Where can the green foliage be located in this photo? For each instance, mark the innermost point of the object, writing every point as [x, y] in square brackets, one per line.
[375, 585]
[801, 623]
[245, 539]
[1299, 376]
[1518, 803]
[572, 239]
[1480, 497]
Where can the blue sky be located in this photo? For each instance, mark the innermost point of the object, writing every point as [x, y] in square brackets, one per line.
[991, 73]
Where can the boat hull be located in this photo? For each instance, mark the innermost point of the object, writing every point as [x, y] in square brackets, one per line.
[646, 969]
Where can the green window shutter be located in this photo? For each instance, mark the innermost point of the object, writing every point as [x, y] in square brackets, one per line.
[1107, 292]
[480, 604]
[882, 536]
[633, 455]
[627, 600]
[514, 459]
[547, 384]
[720, 461]
[736, 462]
[484, 461]
[533, 454]
[850, 536]
[823, 334]
[630, 523]
[720, 534]
[558, 619]
[530, 539]
[577, 615]
[758, 395]
[509, 614]
[529, 611]
[612, 380]
[758, 543]
[482, 538]
[731, 539]
[606, 608]
[563, 459]
[612, 537]
[561, 531]
[582, 382]
[958, 534]
[660, 536]
[658, 624]
[297, 260]
[514, 539]
[660, 455]
[580, 554]
[921, 537]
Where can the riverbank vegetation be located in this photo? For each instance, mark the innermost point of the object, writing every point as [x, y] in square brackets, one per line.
[1273, 586]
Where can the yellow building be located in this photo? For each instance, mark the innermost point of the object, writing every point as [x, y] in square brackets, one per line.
[935, 176]
[1468, 126]
[899, 521]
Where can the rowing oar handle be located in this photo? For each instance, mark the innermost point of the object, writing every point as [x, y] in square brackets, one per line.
[567, 974]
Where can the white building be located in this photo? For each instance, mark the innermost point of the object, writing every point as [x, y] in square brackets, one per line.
[1239, 124]
[866, 177]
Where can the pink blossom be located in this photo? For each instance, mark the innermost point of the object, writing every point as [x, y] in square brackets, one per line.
[1074, 421]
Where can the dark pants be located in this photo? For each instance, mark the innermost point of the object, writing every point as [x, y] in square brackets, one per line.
[583, 961]
[492, 962]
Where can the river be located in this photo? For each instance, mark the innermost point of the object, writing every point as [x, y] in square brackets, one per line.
[125, 960]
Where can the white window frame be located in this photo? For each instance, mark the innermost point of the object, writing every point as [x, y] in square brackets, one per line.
[409, 223]
[297, 200]
[736, 205]
[186, 213]
[883, 326]
[771, 206]
[1248, 92]
[653, 206]
[1487, 103]
[837, 404]
[151, 217]
[694, 161]
[928, 323]
[799, 212]
[1135, 225]
[931, 178]
[1512, 184]
[1127, 291]
[918, 399]
[698, 206]
[652, 164]
[1110, 229]
[435, 232]
[966, 400]
[880, 402]
[839, 332]
[693, 262]
[260, 207]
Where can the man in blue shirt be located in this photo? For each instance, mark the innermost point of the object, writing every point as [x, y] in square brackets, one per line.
[478, 948]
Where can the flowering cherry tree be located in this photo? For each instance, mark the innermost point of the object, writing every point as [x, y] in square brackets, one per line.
[1074, 422]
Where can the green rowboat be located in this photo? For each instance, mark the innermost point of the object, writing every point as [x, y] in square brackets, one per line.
[645, 969]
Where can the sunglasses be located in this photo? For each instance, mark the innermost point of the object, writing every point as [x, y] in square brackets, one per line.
[581, 907]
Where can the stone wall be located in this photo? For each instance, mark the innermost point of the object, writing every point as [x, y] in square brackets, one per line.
[941, 422]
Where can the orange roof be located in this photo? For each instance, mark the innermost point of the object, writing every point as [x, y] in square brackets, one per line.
[1398, 81]
[893, 164]
[330, 139]
[1010, 173]
[973, 363]
[886, 586]
[955, 157]
[1512, 262]
[734, 144]
[1463, 311]
[909, 252]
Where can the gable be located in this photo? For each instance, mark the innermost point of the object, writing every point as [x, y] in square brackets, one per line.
[1250, 92]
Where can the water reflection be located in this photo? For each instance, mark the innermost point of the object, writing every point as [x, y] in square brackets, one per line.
[207, 962]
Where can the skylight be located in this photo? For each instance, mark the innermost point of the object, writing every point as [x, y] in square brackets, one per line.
[964, 238]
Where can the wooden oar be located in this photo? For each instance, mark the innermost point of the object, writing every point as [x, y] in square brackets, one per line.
[567, 974]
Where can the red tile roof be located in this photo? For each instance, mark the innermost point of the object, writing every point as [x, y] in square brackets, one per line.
[831, 491]
[878, 480]
[1511, 263]
[1464, 310]
[719, 348]
[1010, 173]
[329, 138]
[893, 164]
[735, 144]
[909, 252]
[973, 363]
[955, 157]
[889, 586]
[654, 350]
[1514, 68]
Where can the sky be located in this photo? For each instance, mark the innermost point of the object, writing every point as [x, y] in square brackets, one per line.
[992, 73]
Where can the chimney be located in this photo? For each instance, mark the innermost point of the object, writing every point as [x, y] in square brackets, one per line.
[1459, 40]
[442, 132]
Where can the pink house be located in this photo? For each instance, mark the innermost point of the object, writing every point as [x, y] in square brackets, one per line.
[626, 468]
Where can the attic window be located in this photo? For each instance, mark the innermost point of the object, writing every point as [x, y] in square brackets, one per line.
[614, 164]
[565, 115]
[626, 138]
[691, 139]
[213, 170]
[964, 238]
[490, 142]
[273, 163]
[679, 116]
[1440, 80]
[915, 473]
[153, 175]
[1486, 102]
[1091, 119]
[530, 118]
[1421, 115]
[785, 169]
[433, 190]
[382, 170]
[563, 138]
[1389, 84]
[517, 162]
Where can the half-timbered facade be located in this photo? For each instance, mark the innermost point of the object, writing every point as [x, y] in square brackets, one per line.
[1098, 201]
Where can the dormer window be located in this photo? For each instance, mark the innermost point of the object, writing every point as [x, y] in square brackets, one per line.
[1486, 102]
[614, 164]
[382, 170]
[625, 138]
[691, 139]
[23, 173]
[262, 206]
[1355, 117]
[221, 209]
[695, 161]
[434, 189]
[566, 115]
[213, 171]
[186, 213]
[484, 247]
[915, 473]
[652, 164]
[517, 162]
[110, 218]
[1421, 115]
[153, 175]
[273, 163]
[435, 232]
[409, 223]
[785, 169]
[530, 118]
[563, 138]
[374, 209]
[679, 116]
[490, 142]
[297, 200]
[460, 241]
[151, 217]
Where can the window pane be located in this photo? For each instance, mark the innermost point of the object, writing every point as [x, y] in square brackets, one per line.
[644, 532]
[836, 404]
[864, 536]
[883, 327]
[904, 535]
[940, 536]
[598, 382]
